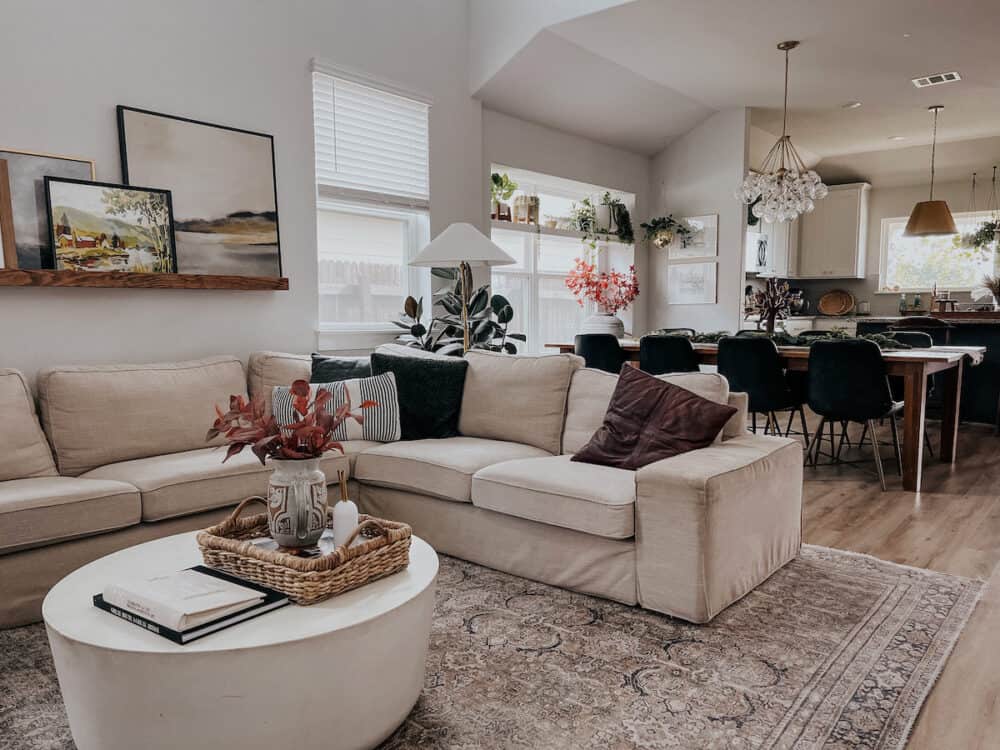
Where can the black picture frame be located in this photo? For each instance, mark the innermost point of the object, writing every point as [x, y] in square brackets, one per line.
[120, 111]
[53, 241]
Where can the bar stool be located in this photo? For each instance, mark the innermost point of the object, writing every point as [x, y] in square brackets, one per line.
[752, 365]
[848, 383]
[602, 351]
[659, 355]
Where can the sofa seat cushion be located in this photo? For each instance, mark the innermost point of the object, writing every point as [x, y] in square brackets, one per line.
[441, 468]
[178, 484]
[43, 510]
[594, 499]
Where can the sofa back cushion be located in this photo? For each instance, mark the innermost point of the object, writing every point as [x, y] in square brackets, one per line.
[105, 414]
[590, 393]
[268, 369]
[516, 398]
[26, 453]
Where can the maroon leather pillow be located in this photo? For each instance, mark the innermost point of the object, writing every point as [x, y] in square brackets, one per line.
[649, 419]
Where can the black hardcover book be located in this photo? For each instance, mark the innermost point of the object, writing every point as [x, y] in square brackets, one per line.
[272, 600]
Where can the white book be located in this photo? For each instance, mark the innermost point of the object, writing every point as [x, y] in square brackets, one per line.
[181, 600]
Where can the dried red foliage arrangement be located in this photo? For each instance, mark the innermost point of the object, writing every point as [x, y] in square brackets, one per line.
[611, 290]
[310, 436]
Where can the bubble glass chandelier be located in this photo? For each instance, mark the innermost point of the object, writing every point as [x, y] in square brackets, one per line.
[784, 186]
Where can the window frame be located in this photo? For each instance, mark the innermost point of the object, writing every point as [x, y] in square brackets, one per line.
[417, 281]
[415, 211]
[883, 257]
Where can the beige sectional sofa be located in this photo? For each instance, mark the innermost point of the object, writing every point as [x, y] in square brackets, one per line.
[122, 461]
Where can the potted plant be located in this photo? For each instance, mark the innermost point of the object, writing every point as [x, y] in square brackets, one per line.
[663, 230]
[990, 285]
[489, 318]
[296, 494]
[501, 189]
[612, 291]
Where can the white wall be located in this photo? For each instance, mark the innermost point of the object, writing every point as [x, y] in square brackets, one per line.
[698, 173]
[516, 143]
[65, 64]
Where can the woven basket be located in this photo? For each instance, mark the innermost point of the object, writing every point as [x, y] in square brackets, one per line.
[386, 550]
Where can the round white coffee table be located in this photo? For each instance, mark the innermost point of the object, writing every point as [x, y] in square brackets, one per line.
[343, 673]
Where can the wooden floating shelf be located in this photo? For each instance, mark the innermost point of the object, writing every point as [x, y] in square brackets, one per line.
[126, 280]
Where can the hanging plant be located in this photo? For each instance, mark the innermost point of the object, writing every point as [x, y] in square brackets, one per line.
[662, 231]
[985, 235]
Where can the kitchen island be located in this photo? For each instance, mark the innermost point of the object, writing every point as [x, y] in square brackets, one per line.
[980, 385]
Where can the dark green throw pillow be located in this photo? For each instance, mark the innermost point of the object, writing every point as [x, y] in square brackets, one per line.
[335, 369]
[430, 393]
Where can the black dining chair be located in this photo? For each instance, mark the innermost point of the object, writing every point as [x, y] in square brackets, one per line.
[926, 324]
[752, 365]
[602, 351]
[812, 333]
[659, 355]
[848, 383]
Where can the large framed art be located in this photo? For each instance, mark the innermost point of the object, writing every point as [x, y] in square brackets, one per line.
[99, 226]
[23, 218]
[223, 185]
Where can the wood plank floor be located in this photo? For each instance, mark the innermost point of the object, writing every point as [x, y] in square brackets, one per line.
[952, 526]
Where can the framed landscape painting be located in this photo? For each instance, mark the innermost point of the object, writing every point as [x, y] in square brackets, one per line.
[692, 283]
[98, 226]
[223, 186]
[27, 219]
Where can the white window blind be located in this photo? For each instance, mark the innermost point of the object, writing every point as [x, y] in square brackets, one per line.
[371, 141]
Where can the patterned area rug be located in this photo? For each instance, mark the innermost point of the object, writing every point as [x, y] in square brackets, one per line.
[834, 651]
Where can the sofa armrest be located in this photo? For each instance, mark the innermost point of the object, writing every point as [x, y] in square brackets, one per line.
[714, 523]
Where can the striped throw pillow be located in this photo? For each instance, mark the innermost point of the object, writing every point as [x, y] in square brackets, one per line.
[379, 422]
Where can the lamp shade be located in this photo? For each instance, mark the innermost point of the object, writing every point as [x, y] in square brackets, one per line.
[462, 243]
[930, 218]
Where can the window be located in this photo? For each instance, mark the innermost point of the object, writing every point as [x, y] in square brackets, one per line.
[371, 142]
[544, 308]
[916, 264]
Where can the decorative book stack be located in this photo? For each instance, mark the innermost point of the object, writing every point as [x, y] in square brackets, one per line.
[189, 604]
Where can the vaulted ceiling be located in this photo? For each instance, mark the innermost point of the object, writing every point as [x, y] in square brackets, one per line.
[638, 74]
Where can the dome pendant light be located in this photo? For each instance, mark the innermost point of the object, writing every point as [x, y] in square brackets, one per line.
[931, 217]
[784, 185]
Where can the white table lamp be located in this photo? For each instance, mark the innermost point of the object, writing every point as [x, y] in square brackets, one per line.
[462, 245]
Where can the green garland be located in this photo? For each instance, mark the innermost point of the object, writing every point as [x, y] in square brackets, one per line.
[781, 338]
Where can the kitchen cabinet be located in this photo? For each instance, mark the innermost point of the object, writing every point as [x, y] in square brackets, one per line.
[833, 239]
[770, 248]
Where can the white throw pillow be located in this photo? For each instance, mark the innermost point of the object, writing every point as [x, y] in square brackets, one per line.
[378, 421]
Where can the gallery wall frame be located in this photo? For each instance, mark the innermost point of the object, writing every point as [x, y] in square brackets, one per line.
[97, 245]
[26, 240]
[693, 283]
[703, 242]
[224, 188]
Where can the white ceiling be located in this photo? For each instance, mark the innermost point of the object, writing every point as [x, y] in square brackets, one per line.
[565, 86]
[635, 75]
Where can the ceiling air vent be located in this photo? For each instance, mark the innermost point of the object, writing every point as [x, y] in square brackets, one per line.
[936, 80]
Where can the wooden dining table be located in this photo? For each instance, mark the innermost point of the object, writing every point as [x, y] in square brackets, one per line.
[914, 366]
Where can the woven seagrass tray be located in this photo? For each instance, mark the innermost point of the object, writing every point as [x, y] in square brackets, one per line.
[384, 551]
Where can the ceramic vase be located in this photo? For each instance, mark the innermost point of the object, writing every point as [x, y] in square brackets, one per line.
[296, 502]
[604, 322]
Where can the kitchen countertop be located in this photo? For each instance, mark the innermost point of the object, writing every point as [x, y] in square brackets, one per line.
[949, 321]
